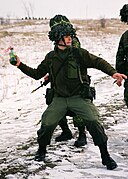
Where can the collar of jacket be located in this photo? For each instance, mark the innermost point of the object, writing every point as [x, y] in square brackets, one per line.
[65, 50]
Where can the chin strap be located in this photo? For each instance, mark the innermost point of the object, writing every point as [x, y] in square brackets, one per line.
[61, 45]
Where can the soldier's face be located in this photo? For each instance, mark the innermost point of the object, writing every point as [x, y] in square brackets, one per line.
[67, 40]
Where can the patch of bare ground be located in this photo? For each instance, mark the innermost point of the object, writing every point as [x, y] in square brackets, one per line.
[105, 26]
[95, 27]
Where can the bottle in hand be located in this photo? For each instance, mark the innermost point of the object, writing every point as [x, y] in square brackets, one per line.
[12, 55]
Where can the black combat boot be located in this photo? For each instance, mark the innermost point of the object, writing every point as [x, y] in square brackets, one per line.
[65, 135]
[40, 154]
[66, 132]
[81, 141]
[106, 159]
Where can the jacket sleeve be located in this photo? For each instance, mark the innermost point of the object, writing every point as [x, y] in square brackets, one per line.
[35, 73]
[93, 61]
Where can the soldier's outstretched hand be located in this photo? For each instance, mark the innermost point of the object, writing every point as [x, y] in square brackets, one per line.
[119, 78]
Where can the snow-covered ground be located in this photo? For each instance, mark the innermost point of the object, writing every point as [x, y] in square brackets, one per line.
[20, 112]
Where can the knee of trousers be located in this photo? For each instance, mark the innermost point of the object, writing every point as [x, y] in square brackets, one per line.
[97, 132]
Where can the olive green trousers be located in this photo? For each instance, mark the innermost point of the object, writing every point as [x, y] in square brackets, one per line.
[84, 108]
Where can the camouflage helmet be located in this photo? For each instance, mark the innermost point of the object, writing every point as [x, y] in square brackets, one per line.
[57, 20]
[60, 26]
[124, 13]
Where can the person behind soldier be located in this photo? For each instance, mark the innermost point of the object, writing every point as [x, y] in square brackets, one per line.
[71, 89]
[122, 52]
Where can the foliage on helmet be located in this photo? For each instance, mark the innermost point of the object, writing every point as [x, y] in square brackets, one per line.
[124, 13]
[60, 30]
[76, 42]
[58, 19]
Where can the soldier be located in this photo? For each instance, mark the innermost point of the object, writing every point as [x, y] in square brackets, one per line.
[122, 52]
[70, 88]
[66, 133]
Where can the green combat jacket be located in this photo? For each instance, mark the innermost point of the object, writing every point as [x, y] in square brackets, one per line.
[122, 54]
[67, 82]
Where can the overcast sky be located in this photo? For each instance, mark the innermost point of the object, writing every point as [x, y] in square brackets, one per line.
[71, 8]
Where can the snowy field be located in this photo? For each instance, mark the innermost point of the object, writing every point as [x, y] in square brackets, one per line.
[20, 110]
